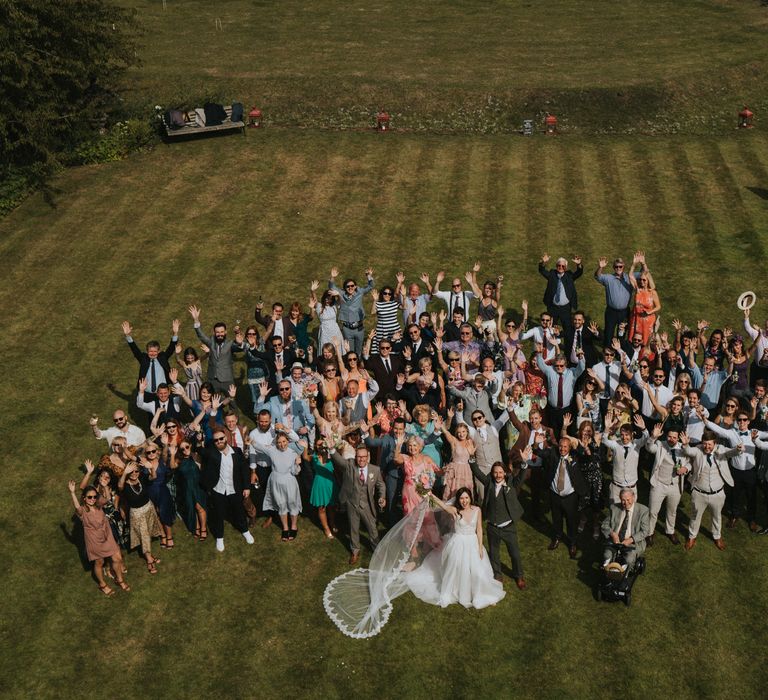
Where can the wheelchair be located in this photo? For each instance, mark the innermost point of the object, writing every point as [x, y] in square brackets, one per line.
[617, 578]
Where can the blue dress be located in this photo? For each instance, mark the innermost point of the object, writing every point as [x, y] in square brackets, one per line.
[325, 490]
[161, 496]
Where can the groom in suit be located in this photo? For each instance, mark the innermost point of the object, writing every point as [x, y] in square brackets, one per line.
[502, 510]
[362, 491]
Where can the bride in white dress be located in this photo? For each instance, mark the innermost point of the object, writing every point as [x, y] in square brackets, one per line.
[459, 572]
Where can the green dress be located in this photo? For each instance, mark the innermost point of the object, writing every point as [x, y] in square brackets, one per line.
[190, 492]
[325, 490]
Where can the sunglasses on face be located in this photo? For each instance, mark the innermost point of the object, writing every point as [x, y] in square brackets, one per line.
[151, 452]
[90, 498]
[385, 347]
[477, 418]
[219, 439]
[250, 333]
[742, 420]
[456, 286]
[349, 286]
[119, 420]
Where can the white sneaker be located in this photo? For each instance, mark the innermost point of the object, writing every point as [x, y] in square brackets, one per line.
[220, 544]
[248, 537]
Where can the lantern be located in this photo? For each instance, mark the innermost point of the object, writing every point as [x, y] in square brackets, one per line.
[745, 118]
[382, 121]
[254, 118]
[550, 124]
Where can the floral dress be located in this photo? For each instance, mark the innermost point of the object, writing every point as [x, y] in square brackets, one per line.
[593, 475]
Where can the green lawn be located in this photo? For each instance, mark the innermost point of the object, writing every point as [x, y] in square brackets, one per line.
[219, 222]
[653, 66]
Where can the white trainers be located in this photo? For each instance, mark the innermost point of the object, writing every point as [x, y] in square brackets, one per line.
[248, 537]
[220, 544]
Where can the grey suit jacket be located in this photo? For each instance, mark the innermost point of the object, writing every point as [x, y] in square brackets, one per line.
[663, 464]
[641, 523]
[350, 483]
[220, 360]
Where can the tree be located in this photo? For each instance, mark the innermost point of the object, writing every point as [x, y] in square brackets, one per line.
[60, 64]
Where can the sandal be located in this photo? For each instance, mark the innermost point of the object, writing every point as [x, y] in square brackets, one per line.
[123, 585]
[285, 535]
[151, 567]
[292, 534]
[203, 534]
[329, 535]
[197, 533]
[106, 590]
[169, 543]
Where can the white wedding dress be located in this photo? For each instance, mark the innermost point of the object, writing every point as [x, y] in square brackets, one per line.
[360, 601]
[456, 573]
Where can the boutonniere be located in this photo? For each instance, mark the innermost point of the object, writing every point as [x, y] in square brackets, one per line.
[370, 477]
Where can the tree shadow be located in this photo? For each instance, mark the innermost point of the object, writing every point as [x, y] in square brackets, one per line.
[761, 192]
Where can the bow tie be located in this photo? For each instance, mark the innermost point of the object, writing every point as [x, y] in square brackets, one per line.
[743, 432]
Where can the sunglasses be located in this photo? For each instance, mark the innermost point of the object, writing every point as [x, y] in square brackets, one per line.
[386, 294]
[456, 286]
[221, 439]
[742, 420]
[658, 376]
[90, 498]
[119, 420]
[151, 452]
[250, 333]
[351, 359]
[284, 388]
[330, 369]
[349, 286]
[385, 347]
[559, 366]
[476, 418]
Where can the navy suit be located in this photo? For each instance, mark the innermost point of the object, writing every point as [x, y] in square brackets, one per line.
[561, 313]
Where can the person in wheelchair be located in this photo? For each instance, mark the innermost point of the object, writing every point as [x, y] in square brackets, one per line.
[628, 524]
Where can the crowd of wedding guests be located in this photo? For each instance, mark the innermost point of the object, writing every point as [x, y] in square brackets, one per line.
[408, 387]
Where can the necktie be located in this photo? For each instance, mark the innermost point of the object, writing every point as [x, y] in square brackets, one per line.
[560, 392]
[626, 451]
[152, 377]
[561, 476]
[386, 365]
[624, 526]
[608, 381]
[709, 460]
[674, 456]
[362, 475]
[578, 339]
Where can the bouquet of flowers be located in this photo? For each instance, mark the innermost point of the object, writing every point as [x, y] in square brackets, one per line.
[309, 390]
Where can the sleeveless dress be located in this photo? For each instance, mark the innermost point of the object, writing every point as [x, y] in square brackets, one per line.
[640, 324]
[325, 490]
[329, 331]
[387, 322]
[160, 495]
[194, 380]
[457, 473]
[456, 573]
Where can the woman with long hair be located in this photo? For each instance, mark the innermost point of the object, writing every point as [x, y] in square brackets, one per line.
[327, 313]
[100, 544]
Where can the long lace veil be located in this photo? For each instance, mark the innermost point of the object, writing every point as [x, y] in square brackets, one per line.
[359, 601]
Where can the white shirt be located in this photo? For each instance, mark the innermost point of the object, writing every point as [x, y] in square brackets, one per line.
[567, 485]
[278, 330]
[265, 439]
[663, 396]
[694, 424]
[453, 299]
[603, 371]
[226, 483]
[762, 340]
[545, 338]
[627, 514]
[134, 436]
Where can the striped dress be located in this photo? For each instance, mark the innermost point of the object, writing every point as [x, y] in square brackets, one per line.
[387, 322]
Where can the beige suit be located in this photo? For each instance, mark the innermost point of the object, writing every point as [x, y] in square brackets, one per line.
[665, 484]
[708, 482]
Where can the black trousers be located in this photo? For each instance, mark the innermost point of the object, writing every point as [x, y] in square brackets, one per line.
[221, 506]
[563, 315]
[613, 317]
[508, 535]
[744, 486]
[568, 507]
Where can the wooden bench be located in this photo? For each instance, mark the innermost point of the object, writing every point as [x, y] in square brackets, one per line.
[191, 127]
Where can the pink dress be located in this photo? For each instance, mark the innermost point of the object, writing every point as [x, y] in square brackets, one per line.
[457, 473]
[412, 469]
[99, 540]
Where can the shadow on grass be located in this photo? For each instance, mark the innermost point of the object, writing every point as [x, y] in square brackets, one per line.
[761, 192]
[76, 539]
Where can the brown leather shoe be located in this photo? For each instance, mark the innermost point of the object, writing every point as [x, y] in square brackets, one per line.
[354, 558]
[731, 523]
[720, 544]
[572, 551]
[649, 540]
[689, 544]
[673, 538]
[554, 544]
[521, 584]
[754, 527]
